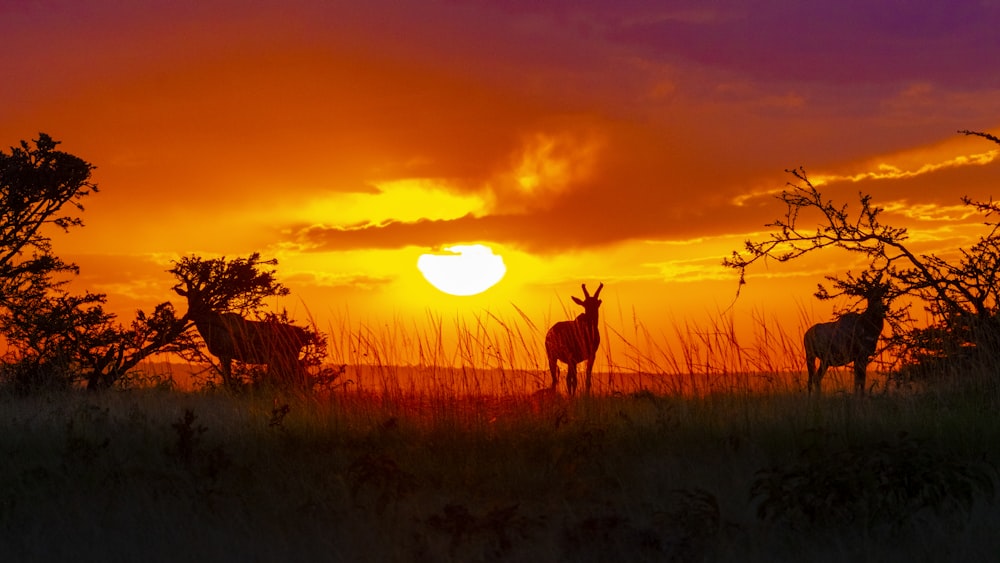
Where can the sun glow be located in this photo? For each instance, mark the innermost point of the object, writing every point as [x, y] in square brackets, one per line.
[463, 270]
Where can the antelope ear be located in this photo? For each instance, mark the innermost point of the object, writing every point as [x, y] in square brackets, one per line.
[599, 288]
[577, 300]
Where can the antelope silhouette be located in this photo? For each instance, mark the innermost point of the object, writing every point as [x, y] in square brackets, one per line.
[229, 337]
[572, 342]
[850, 339]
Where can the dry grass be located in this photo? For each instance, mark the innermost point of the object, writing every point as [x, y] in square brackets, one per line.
[700, 456]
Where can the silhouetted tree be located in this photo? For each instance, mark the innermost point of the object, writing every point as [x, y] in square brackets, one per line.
[55, 338]
[236, 286]
[36, 184]
[961, 294]
[61, 340]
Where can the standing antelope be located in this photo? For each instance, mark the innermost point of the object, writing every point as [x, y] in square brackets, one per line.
[850, 339]
[572, 342]
[229, 337]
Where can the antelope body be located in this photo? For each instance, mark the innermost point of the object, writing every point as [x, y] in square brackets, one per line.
[229, 337]
[851, 339]
[572, 342]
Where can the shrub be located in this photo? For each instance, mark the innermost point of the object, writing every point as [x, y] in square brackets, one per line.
[890, 483]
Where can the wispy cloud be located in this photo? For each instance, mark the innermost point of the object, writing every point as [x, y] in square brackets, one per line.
[885, 171]
[340, 279]
[929, 212]
[909, 165]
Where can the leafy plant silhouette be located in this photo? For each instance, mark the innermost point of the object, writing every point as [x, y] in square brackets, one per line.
[885, 484]
[689, 523]
[189, 450]
[278, 414]
[85, 442]
[188, 436]
[498, 526]
[382, 477]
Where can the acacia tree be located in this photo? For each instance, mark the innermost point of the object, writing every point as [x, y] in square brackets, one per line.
[961, 294]
[61, 339]
[36, 185]
[55, 337]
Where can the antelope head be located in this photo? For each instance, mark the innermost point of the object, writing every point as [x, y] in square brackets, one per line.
[590, 303]
[198, 305]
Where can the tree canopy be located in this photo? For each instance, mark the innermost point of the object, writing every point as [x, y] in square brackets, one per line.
[960, 293]
[37, 184]
[238, 286]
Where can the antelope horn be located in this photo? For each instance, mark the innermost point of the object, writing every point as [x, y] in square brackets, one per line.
[599, 288]
[585, 292]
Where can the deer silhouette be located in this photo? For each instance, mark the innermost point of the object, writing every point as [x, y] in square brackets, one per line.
[572, 342]
[229, 337]
[852, 338]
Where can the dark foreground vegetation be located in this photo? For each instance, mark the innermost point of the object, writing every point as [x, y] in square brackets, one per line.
[157, 475]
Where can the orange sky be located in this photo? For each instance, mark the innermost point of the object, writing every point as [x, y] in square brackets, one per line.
[585, 142]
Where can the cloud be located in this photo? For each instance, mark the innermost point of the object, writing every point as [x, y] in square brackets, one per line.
[352, 280]
[929, 212]
[549, 164]
[885, 171]
[691, 270]
[546, 126]
[425, 233]
[936, 174]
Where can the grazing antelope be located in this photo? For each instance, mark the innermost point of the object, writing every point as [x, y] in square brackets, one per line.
[229, 337]
[850, 339]
[572, 342]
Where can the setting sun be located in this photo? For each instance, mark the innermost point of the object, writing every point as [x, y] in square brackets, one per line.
[463, 270]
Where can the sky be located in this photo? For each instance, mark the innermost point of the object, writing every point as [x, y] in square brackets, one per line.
[631, 143]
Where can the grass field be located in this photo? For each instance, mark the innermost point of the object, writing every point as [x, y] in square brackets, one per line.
[157, 475]
[711, 454]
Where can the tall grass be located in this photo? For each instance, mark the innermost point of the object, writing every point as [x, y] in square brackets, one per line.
[695, 448]
[490, 353]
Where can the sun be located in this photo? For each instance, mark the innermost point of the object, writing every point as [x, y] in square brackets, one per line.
[463, 269]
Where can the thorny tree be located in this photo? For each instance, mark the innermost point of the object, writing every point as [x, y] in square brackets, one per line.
[961, 292]
[36, 184]
[59, 339]
[54, 337]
